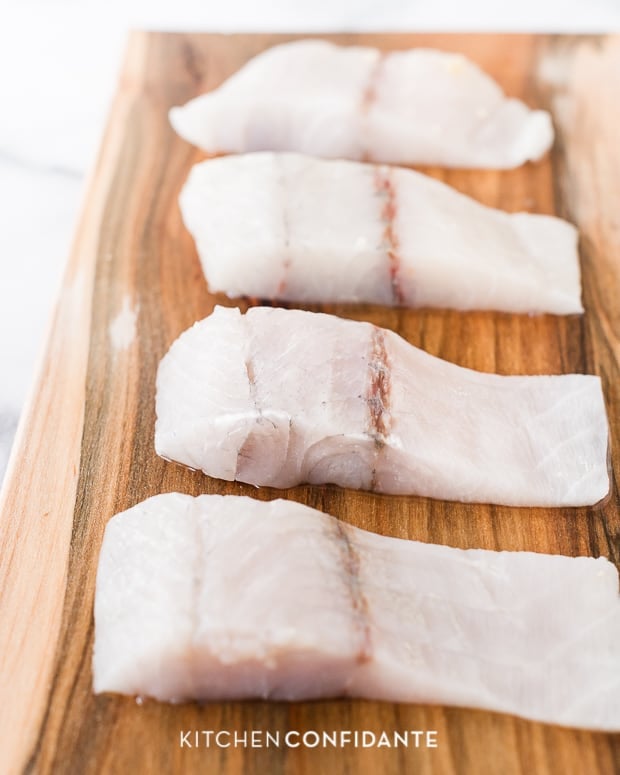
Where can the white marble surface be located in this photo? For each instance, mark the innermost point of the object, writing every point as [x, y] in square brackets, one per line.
[58, 65]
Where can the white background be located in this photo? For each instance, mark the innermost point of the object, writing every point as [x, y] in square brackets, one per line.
[58, 66]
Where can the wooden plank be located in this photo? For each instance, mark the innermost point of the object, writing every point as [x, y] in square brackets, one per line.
[85, 449]
[39, 494]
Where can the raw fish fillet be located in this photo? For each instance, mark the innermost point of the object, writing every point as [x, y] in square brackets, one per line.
[225, 597]
[279, 397]
[287, 226]
[404, 107]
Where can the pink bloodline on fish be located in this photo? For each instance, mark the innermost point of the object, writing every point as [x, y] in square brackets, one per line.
[385, 187]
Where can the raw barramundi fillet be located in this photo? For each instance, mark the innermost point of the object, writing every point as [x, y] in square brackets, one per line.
[286, 226]
[404, 107]
[225, 597]
[279, 397]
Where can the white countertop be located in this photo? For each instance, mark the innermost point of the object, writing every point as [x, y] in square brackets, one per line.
[58, 66]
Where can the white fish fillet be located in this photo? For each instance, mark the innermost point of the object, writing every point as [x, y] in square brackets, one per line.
[406, 107]
[226, 597]
[288, 226]
[278, 397]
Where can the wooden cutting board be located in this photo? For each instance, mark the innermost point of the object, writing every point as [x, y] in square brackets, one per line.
[85, 446]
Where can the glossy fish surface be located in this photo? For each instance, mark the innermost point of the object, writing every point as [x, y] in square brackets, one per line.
[290, 227]
[420, 106]
[279, 397]
[227, 597]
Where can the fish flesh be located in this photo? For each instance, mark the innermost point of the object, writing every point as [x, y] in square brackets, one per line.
[420, 106]
[279, 397]
[226, 597]
[290, 227]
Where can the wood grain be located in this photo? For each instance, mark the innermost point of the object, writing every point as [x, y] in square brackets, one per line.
[85, 449]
